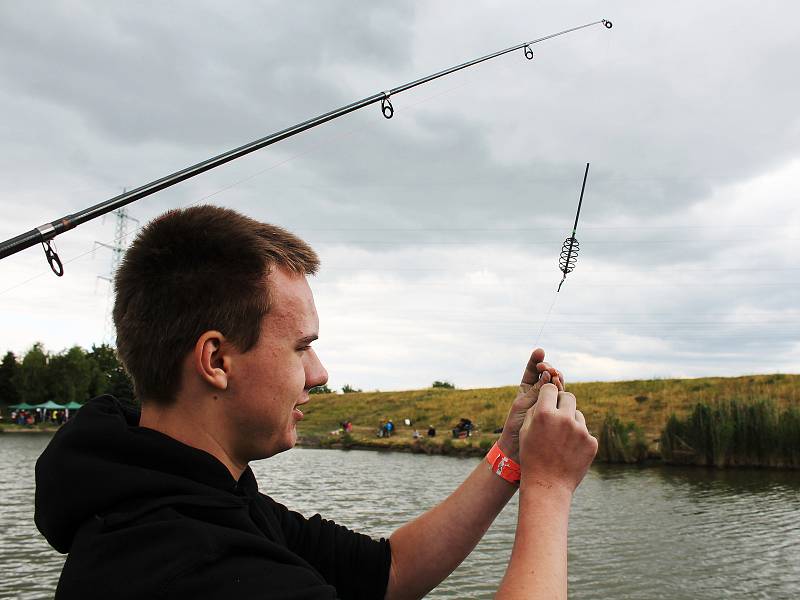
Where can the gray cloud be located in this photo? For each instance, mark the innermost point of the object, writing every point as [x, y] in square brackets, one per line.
[687, 113]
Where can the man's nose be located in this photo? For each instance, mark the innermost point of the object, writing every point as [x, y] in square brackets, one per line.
[316, 374]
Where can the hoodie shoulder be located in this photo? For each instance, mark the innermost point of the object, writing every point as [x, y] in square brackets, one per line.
[101, 462]
[70, 471]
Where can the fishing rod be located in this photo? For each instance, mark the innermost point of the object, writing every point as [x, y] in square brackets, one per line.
[45, 233]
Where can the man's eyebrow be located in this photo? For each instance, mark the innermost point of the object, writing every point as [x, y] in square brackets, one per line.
[308, 339]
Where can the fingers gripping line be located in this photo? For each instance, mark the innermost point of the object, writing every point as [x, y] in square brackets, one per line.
[538, 371]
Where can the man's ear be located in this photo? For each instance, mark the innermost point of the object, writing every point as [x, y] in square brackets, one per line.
[211, 360]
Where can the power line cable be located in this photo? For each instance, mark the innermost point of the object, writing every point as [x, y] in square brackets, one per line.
[412, 106]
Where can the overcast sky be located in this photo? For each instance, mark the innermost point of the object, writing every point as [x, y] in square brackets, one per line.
[440, 229]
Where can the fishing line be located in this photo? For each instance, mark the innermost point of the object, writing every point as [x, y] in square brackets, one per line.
[546, 318]
[45, 233]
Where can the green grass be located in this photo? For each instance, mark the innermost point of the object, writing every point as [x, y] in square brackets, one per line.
[647, 404]
[749, 420]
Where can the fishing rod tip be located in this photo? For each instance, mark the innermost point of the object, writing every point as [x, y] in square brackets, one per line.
[607, 23]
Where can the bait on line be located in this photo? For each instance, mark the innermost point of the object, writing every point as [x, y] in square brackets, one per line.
[567, 260]
[45, 233]
[571, 247]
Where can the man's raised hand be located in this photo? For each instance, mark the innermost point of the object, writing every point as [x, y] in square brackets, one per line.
[555, 453]
[536, 374]
[556, 448]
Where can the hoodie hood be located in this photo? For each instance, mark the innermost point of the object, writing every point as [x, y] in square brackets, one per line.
[101, 461]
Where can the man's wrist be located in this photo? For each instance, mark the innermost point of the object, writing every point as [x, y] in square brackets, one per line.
[509, 448]
[502, 465]
[545, 487]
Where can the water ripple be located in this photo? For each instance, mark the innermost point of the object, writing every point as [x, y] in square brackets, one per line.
[30, 567]
[634, 533]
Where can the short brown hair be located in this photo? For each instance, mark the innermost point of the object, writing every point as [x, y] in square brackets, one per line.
[190, 271]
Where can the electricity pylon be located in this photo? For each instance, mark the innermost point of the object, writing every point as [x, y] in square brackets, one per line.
[117, 250]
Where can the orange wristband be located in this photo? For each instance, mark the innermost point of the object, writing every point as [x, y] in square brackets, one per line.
[502, 465]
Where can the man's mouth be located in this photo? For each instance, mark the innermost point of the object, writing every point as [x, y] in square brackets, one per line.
[296, 412]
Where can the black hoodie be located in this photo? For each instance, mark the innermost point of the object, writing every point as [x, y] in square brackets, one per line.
[145, 516]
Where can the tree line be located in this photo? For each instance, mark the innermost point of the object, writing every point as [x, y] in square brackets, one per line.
[76, 375]
[73, 375]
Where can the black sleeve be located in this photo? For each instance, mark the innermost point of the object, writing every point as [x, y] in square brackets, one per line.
[355, 564]
[247, 577]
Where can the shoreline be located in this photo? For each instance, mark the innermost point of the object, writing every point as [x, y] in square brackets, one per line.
[443, 446]
[465, 450]
[458, 448]
[26, 429]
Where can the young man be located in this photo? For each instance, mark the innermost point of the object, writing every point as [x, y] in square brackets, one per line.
[215, 321]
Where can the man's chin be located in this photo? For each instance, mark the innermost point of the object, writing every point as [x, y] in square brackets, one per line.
[278, 446]
[291, 439]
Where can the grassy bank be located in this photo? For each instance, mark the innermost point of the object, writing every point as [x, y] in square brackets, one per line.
[628, 416]
[734, 421]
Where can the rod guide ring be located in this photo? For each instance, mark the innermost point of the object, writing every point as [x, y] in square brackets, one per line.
[386, 106]
[52, 258]
[528, 52]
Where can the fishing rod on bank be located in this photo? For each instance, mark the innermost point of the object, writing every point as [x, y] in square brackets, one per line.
[45, 233]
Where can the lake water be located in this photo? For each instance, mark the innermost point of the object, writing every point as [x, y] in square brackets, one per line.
[634, 533]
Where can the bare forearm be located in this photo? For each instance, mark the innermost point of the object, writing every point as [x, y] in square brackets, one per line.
[426, 550]
[538, 566]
